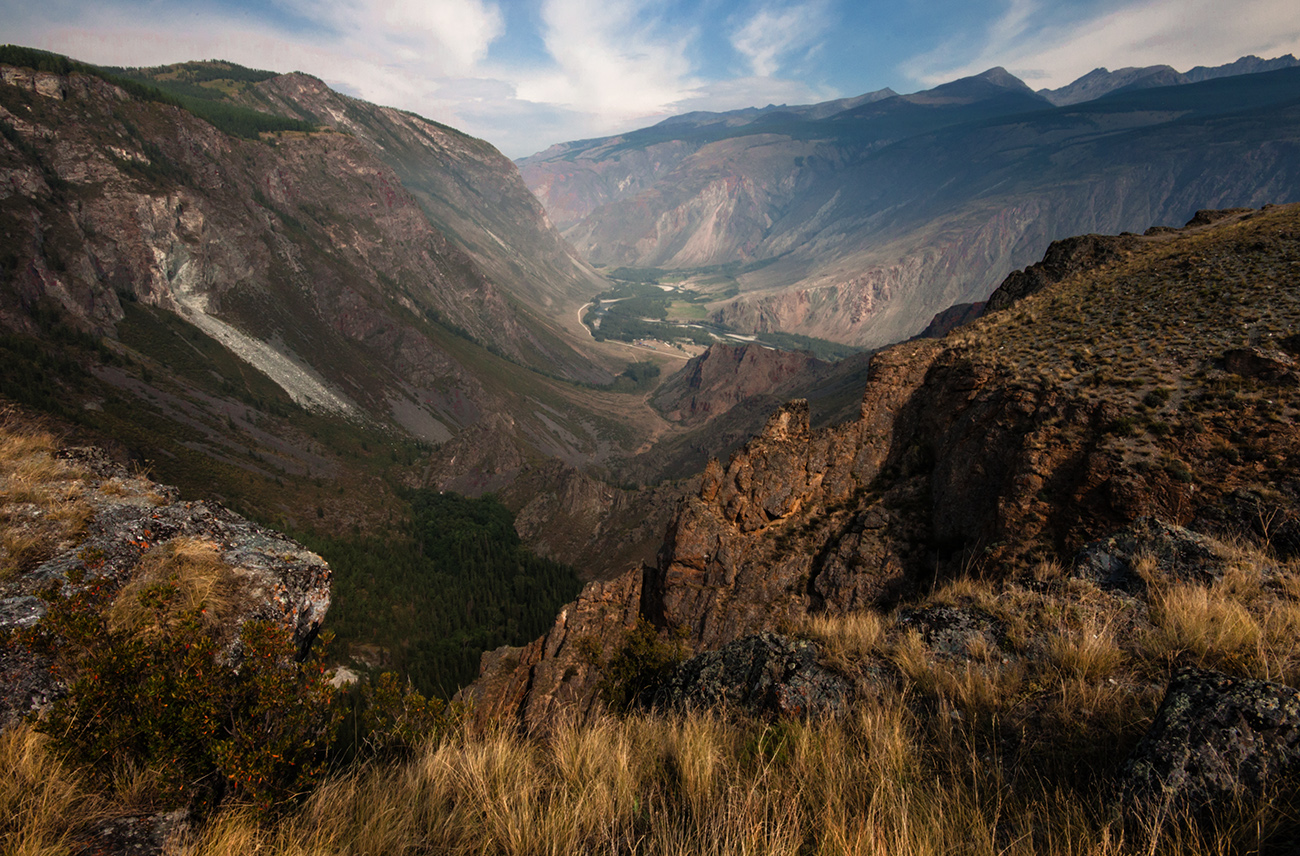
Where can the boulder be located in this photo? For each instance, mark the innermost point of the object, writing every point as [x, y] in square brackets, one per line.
[763, 675]
[1178, 552]
[1214, 737]
[949, 631]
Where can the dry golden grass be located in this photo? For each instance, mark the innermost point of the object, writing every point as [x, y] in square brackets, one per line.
[42, 800]
[1088, 652]
[1205, 624]
[846, 639]
[41, 499]
[880, 781]
[202, 581]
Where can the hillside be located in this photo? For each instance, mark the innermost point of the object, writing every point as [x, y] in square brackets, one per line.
[312, 280]
[861, 226]
[1158, 384]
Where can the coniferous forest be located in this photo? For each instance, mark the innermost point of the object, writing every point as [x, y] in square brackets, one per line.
[453, 582]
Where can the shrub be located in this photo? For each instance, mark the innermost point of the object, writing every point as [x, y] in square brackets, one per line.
[639, 665]
[175, 703]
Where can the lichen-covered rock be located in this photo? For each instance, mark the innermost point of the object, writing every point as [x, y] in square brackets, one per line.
[1177, 552]
[1213, 737]
[763, 674]
[130, 518]
[951, 631]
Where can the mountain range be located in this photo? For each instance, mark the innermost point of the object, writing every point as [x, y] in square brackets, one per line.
[305, 305]
[860, 225]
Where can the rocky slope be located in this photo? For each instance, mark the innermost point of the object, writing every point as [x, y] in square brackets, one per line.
[77, 520]
[860, 227]
[1157, 383]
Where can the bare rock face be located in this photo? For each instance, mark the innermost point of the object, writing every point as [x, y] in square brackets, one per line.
[1213, 737]
[763, 674]
[600, 529]
[725, 375]
[131, 519]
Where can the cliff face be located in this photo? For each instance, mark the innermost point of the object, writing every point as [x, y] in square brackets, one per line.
[725, 375]
[468, 190]
[1014, 440]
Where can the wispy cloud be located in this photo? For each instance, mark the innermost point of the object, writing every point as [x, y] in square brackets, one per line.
[612, 59]
[1032, 40]
[442, 37]
[775, 32]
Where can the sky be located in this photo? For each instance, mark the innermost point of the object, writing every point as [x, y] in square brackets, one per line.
[526, 74]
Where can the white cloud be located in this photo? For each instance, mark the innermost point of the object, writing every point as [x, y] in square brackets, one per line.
[609, 61]
[774, 33]
[1181, 33]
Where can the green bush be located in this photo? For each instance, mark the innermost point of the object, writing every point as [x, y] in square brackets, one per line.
[638, 667]
[166, 701]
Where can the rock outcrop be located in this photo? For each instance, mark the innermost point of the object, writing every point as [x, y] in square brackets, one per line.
[762, 675]
[1063, 258]
[725, 375]
[125, 521]
[1215, 737]
[1179, 553]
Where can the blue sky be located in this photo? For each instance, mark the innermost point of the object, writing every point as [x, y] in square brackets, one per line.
[525, 74]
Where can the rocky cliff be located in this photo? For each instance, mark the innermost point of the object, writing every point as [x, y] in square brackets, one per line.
[1015, 440]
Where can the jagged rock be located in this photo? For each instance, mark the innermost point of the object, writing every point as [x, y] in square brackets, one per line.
[1178, 552]
[532, 684]
[1213, 737]
[1062, 259]
[763, 674]
[279, 581]
[1268, 365]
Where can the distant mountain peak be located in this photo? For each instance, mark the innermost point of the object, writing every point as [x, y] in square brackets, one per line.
[1101, 81]
[999, 76]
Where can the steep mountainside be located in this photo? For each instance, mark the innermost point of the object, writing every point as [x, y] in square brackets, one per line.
[1161, 383]
[864, 225]
[304, 254]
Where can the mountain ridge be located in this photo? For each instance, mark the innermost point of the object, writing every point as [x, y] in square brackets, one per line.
[875, 219]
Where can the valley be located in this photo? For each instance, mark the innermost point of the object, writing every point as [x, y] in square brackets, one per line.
[884, 474]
